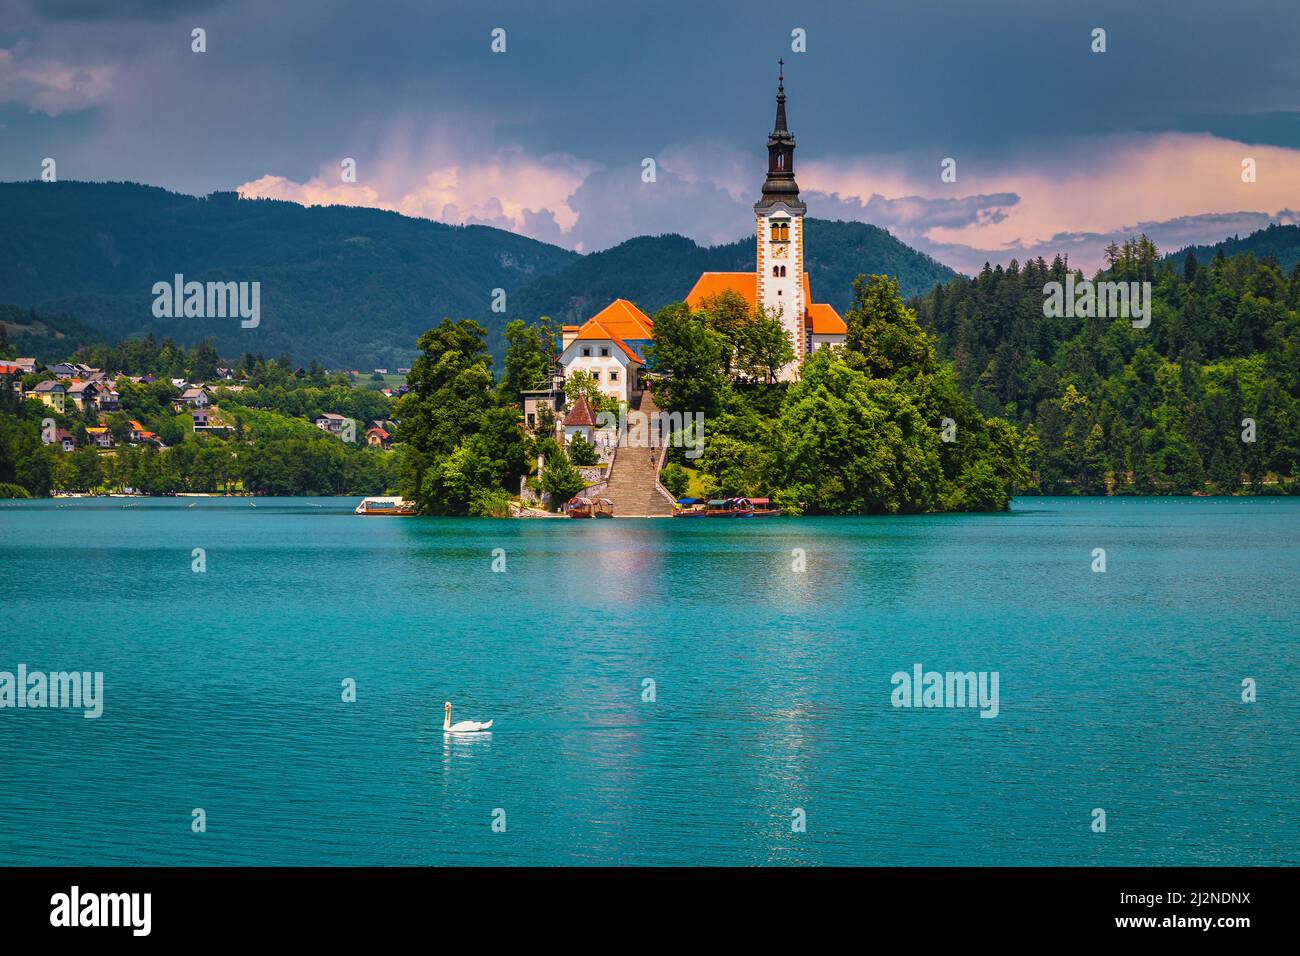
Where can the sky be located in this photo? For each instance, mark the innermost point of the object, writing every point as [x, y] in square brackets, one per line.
[1057, 148]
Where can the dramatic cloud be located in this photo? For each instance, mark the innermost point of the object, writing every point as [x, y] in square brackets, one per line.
[1178, 188]
[51, 86]
[425, 176]
[1057, 148]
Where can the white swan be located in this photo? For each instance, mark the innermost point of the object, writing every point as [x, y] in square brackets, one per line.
[464, 726]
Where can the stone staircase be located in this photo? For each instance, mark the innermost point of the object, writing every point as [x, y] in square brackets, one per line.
[634, 480]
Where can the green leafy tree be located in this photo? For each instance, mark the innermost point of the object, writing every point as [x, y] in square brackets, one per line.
[675, 479]
[529, 357]
[884, 337]
[688, 359]
[560, 479]
[451, 391]
[763, 347]
[582, 384]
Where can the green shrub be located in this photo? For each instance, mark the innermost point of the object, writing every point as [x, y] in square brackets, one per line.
[582, 452]
[675, 479]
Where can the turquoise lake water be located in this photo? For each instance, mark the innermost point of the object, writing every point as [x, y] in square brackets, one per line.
[223, 690]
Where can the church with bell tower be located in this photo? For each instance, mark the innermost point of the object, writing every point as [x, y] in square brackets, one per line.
[610, 345]
[779, 283]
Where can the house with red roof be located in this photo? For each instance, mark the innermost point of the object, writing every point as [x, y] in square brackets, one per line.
[13, 372]
[141, 435]
[579, 421]
[610, 347]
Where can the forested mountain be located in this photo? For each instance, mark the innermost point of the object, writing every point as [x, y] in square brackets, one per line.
[341, 284]
[48, 336]
[656, 271]
[351, 286]
[1106, 406]
[1280, 242]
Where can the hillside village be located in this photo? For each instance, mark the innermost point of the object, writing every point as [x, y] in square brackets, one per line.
[225, 431]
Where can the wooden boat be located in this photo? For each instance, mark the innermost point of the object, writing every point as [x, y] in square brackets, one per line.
[393, 507]
[727, 508]
[580, 506]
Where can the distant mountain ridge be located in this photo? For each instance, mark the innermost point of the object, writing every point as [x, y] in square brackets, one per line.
[339, 283]
[352, 286]
[1274, 239]
[653, 271]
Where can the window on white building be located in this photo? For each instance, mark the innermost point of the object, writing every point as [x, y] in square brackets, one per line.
[613, 376]
[604, 351]
[586, 353]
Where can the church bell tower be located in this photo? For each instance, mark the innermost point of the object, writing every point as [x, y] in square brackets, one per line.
[779, 214]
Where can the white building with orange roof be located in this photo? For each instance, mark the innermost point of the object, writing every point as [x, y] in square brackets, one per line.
[610, 347]
[779, 282]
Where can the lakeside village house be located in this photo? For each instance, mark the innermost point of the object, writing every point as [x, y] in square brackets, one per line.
[80, 388]
[610, 346]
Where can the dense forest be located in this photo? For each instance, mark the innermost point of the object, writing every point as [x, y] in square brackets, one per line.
[1203, 399]
[1275, 240]
[47, 336]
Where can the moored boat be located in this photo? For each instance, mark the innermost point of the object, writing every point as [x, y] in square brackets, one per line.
[393, 507]
[581, 506]
[689, 508]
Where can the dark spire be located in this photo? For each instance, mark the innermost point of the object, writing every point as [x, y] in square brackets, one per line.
[780, 185]
[780, 99]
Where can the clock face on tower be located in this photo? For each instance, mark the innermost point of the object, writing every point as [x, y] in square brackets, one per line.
[779, 250]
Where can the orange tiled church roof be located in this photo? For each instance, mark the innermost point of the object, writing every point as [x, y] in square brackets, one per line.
[711, 284]
[820, 318]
